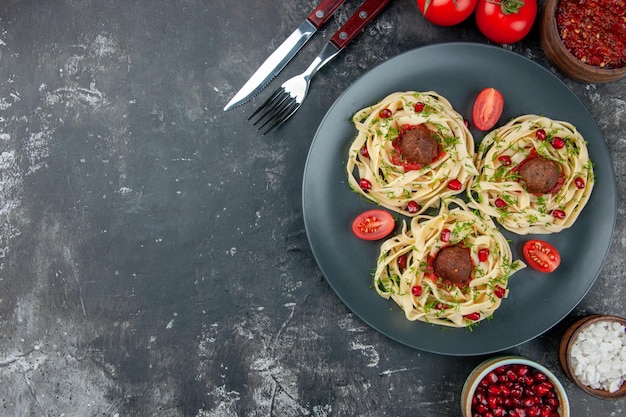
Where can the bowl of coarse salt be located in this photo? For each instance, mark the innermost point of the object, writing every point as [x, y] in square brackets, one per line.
[593, 355]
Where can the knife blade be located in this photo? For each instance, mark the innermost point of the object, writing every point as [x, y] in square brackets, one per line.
[283, 54]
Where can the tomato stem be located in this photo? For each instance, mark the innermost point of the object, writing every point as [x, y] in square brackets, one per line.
[508, 6]
[426, 4]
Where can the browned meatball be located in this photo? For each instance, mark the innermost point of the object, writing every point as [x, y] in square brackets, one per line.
[539, 174]
[454, 264]
[418, 145]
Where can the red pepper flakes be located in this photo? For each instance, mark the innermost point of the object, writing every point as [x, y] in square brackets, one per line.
[594, 31]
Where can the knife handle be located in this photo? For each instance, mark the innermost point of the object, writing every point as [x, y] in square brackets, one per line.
[364, 14]
[324, 11]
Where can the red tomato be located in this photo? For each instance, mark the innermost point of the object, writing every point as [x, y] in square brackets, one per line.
[487, 108]
[373, 224]
[541, 255]
[446, 12]
[505, 21]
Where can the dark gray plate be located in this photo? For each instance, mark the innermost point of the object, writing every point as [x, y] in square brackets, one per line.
[458, 71]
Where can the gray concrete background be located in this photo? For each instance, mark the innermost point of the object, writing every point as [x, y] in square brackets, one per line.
[153, 257]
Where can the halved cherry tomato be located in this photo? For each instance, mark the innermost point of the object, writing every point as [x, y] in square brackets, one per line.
[373, 224]
[446, 12]
[541, 255]
[505, 21]
[487, 108]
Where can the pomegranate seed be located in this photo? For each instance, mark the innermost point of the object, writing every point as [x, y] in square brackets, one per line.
[499, 412]
[483, 254]
[365, 184]
[527, 380]
[517, 412]
[364, 151]
[494, 400]
[481, 409]
[418, 107]
[505, 160]
[445, 235]
[523, 370]
[544, 388]
[466, 123]
[580, 183]
[384, 113]
[540, 376]
[441, 306]
[541, 134]
[505, 390]
[558, 142]
[534, 411]
[401, 261]
[416, 290]
[517, 393]
[473, 316]
[528, 402]
[492, 377]
[511, 375]
[499, 291]
[412, 207]
[480, 397]
[553, 402]
[455, 185]
[558, 214]
[546, 411]
[500, 203]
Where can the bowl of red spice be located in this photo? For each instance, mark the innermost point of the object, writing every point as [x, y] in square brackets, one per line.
[586, 39]
[592, 353]
[513, 386]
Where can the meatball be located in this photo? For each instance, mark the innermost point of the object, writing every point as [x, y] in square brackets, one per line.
[418, 145]
[539, 174]
[454, 264]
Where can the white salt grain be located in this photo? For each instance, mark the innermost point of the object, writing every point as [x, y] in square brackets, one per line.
[599, 355]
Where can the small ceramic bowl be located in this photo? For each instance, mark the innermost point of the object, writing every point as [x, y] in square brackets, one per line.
[476, 382]
[565, 354]
[560, 56]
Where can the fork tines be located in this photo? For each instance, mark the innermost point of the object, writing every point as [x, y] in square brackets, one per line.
[275, 110]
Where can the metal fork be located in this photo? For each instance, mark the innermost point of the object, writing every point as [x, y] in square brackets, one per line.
[287, 99]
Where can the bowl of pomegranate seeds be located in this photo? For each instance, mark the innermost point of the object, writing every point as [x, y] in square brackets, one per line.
[593, 355]
[585, 39]
[513, 386]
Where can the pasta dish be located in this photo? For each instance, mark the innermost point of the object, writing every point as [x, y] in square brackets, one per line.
[450, 269]
[411, 150]
[535, 175]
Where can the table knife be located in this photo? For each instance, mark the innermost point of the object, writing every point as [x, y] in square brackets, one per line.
[283, 54]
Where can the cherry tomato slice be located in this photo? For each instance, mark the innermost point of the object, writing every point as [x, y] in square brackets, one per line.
[373, 224]
[541, 255]
[487, 108]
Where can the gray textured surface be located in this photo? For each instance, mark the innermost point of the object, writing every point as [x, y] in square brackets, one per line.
[153, 258]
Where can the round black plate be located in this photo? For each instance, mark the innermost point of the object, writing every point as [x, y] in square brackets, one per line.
[458, 71]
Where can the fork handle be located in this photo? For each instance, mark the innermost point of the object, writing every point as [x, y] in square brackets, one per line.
[364, 14]
[324, 11]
